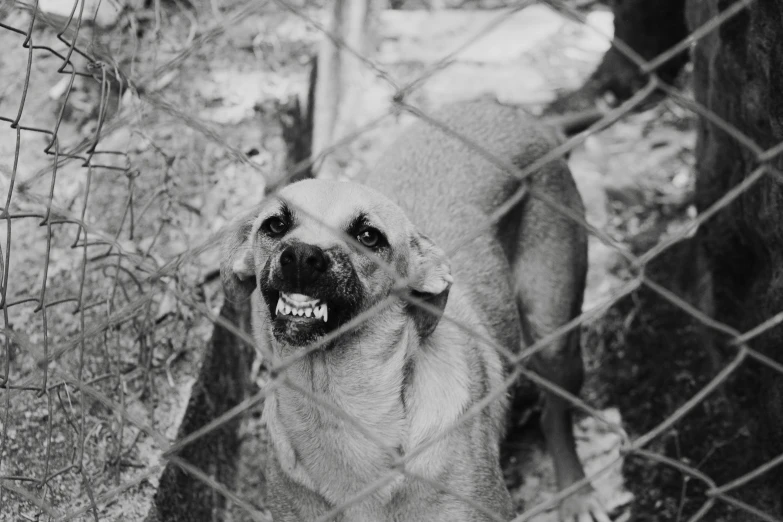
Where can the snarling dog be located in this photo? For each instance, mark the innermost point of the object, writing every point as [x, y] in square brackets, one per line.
[384, 441]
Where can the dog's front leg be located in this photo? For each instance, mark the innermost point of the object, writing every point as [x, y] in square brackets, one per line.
[289, 501]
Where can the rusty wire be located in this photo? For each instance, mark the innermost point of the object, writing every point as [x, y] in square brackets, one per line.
[103, 314]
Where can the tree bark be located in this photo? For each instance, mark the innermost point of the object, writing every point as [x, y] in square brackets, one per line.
[738, 75]
[342, 77]
[296, 124]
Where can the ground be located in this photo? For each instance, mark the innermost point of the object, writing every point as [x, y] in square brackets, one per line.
[200, 141]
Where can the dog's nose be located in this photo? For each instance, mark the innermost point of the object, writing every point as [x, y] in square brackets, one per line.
[301, 264]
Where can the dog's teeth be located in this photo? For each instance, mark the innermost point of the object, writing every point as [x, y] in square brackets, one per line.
[319, 311]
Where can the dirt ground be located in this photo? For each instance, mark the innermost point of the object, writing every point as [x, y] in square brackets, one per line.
[160, 190]
[200, 140]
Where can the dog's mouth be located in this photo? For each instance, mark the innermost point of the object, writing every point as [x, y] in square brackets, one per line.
[301, 319]
[301, 307]
[302, 312]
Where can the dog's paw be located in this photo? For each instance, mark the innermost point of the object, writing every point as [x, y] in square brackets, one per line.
[583, 506]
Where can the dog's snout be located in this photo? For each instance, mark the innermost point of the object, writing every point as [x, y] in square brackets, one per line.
[302, 264]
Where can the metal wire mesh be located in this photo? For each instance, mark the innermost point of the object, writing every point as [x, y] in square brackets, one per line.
[104, 351]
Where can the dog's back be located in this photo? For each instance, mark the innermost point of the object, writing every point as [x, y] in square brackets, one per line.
[526, 273]
[449, 189]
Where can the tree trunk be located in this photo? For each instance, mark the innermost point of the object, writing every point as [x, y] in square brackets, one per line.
[342, 77]
[296, 123]
[738, 74]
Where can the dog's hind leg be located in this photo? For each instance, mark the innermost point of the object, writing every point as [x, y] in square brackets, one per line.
[549, 258]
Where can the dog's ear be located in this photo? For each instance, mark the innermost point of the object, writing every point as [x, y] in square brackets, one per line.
[237, 270]
[430, 280]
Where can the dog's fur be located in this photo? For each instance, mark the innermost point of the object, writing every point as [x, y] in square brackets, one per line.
[405, 375]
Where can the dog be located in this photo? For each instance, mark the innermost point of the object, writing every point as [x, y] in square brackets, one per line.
[322, 253]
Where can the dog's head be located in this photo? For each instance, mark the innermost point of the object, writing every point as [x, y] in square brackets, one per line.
[322, 252]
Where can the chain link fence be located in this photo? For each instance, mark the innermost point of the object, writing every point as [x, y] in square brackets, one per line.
[104, 262]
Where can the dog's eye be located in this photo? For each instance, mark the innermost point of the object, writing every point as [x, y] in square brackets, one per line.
[275, 226]
[370, 237]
